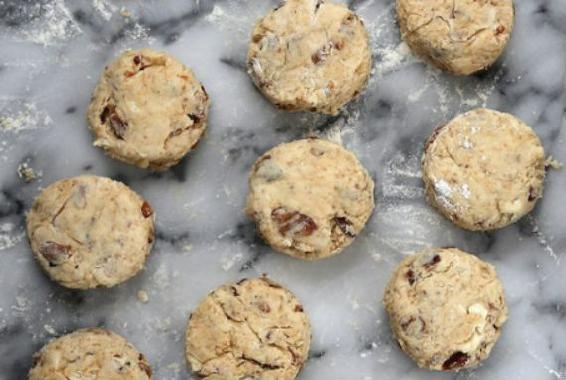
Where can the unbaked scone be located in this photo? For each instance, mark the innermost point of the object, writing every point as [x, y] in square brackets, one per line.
[484, 169]
[90, 231]
[310, 55]
[309, 198]
[459, 36]
[253, 329]
[446, 308]
[148, 109]
[89, 354]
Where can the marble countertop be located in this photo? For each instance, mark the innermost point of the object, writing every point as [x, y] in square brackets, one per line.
[52, 54]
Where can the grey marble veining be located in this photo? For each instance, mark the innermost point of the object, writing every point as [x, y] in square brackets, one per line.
[52, 54]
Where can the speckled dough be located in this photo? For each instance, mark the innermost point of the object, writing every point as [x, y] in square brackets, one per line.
[446, 308]
[90, 231]
[253, 329]
[460, 36]
[310, 55]
[309, 198]
[484, 170]
[90, 354]
[148, 109]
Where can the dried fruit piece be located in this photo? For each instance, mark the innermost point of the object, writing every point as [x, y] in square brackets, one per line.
[435, 260]
[109, 109]
[195, 118]
[293, 223]
[55, 253]
[118, 126]
[410, 276]
[457, 360]
[345, 225]
[299, 308]
[144, 366]
[532, 194]
[146, 210]
[137, 59]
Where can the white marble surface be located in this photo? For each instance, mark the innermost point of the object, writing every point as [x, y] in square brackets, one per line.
[52, 54]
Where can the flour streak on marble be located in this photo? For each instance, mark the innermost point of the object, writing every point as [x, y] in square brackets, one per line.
[52, 54]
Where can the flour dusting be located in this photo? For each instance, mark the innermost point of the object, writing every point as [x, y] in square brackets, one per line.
[10, 235]
[54, 25]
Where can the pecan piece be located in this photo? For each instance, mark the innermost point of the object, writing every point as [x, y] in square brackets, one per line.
[107, 111]
[264, 307]
[457, 360]
[293, 223]
[55, 253]
[146, 210]
[345, 225]
[299, 308]
[195, 118]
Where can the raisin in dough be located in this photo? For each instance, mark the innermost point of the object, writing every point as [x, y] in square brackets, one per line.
[310, 55]
[93, 354]
[459, 36]
[253, 329]
[446, 308]
[90, 231]
[148, 110]
[309, 198]
[484, 170]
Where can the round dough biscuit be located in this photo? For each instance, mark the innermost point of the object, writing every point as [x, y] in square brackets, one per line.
[446, 308]
[459, 36]
[90, 231]
[253, 329]
[148, 110]
[309, 198]
[310, 55]
[484, 169]
[93, 354]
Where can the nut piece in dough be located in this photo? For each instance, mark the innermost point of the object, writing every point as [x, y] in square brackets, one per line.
[309, 198]
[446, 308]
[459, 36]
[89, 232]
[93, 354]
[483, 170]
[148, 110]
[310, 55]
[253, 329]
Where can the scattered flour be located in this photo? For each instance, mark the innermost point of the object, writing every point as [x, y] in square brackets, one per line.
[229, 261]
[466, 193]
[55, 24]
[10, 235]
[104, 8]
[19, 117]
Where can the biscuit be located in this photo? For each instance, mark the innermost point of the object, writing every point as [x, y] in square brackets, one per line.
[253, 329]
[310, 55]
[446, 308]
[148, 110]
[93, 354]
[90, 231]
[484, 169]
[462, 36]
[309, 198]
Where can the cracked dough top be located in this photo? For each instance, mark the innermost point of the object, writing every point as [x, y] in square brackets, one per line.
[93, 354]
[310, 55]
[484, 169]
[446, 308]
[253, 329]
[460, 36]
[309, 198]
[148, 109]
[90, 231]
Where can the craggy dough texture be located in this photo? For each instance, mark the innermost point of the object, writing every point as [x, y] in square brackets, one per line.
[253, 329]
[310, 55]
[484, 170]
[460, 36]
[148, 110]
[90, 354]
[446, 308]
[90, 231]
[309, 198]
